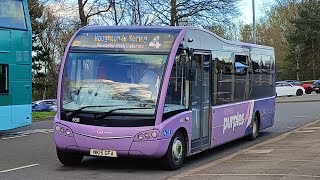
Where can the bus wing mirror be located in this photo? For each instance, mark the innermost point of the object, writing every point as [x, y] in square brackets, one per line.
[191, 69]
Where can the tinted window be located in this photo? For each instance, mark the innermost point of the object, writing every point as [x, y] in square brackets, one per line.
[263, 76]
[12, 14]
[224, 70]
[3, 78]
[241, 68]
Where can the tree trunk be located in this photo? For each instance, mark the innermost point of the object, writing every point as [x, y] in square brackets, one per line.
[313, 62]
[173, 20]
[83, 18]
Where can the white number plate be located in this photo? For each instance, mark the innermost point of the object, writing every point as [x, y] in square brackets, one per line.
[107, 153]
[316, 88]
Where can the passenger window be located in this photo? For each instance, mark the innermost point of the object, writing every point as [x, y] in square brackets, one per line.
[175, 99]
[224, 78]
[4, 78]
[241, 85]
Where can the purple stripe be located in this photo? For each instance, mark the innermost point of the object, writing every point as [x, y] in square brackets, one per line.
[167, 75]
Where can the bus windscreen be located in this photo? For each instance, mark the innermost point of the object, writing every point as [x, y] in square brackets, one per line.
[130, 82]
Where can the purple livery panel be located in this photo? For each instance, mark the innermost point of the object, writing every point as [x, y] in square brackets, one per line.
[230, 122]
[122, 139]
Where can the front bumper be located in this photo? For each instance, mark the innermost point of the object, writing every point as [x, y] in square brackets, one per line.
[125, 146]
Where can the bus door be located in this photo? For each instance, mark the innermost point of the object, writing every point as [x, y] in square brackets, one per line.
[200, 102]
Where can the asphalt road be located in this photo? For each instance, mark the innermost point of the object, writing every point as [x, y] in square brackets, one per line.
[31, 154]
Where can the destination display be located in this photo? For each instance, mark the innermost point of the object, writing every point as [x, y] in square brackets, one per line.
[125, 41]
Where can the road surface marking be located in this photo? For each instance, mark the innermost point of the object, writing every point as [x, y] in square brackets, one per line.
[312, 128]
[307, 131]
[26, 133]
[291, 175]
[238, 174]
[259, 151]
[13, 137]
[301, 116]
[18, 168]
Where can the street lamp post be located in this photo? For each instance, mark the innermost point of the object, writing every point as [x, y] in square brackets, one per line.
[253, 23]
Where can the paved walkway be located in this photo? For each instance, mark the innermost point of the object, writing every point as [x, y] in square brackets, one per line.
[294, 155]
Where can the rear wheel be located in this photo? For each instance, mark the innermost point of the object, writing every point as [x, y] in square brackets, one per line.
[175, 155]
[69, 159]
[317, 91]
[308, 91]
[255, 129]
[299, 92]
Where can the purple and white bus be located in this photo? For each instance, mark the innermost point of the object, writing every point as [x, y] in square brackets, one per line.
[159, 92]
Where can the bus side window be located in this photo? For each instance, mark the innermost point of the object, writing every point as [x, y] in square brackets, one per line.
[4, 78]
[224, 76]
[241, 86]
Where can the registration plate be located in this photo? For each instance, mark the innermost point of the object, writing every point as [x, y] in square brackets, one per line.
[316, 88]
[99, 152]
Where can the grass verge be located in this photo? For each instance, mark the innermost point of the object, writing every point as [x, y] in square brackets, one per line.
[38, 116]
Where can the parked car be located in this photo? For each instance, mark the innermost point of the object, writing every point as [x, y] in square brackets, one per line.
[41, 107]
[307, 87]
[316, 86]
[286, 89]
[45, 105]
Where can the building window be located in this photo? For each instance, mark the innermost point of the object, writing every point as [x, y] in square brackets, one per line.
[3, 78]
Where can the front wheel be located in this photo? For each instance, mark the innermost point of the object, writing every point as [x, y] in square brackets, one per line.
[299, 92]
[69, 159]
[255, 129]
[176, 153]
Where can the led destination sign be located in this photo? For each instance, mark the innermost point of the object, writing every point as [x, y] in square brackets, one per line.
[126, 41]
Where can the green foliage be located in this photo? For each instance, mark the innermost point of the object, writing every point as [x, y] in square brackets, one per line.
[306, 39]
[37, 116]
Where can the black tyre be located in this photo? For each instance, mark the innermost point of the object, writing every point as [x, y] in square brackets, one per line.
[308, 91]
[299, 92]
[318, 92]
[176, 153]
[255, 129]
[69, 159]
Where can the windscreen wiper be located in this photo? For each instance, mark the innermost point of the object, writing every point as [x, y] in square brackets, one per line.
[108, 113]
[74, 112]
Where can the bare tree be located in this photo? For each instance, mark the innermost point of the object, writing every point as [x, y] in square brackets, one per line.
[140, 13]
[175, 12]
[90, 8]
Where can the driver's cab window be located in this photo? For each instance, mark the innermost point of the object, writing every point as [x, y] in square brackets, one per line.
[175, 98]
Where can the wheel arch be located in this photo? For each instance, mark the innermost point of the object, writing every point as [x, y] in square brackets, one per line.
[257, 113]
[186, 138]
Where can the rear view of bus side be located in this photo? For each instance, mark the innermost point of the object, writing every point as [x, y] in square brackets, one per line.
[15, 64]
[159, 92]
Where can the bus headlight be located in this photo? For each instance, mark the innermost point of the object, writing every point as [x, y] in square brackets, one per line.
[147, 135]
[62, 129]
